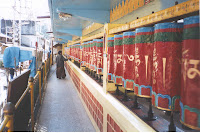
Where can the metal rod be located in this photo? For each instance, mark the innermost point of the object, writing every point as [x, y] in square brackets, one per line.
[22, 97]
[4, 123]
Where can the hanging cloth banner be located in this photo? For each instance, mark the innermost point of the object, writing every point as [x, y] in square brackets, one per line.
[117, 59]
[99, 57]
[167, 66]
[128, 60]
[143, 61]
[190, 83]
[110, 65]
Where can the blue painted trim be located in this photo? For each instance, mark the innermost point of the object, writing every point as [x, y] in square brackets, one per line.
[111, 75]
[118, 77]
[146, 87]
[182, 111]
[136, 85]
[118, 36]
[85, 43]
[98, 16]
[99, 40]
[191, 20]
[99, 69]
[71, 31]
[184, 107]
[168, 25]
[130, 33]
[82, 62]
[155, 95]
[164, 96]
[129, 80]
[111, 38]
[144, 29]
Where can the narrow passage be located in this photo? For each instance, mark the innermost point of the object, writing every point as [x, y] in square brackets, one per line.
[62, 110]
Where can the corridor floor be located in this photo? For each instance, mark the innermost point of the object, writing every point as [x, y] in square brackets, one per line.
[62, 110]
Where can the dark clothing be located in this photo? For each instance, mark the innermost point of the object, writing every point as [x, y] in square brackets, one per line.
[60, 70]
[12, 71]
[60, 61]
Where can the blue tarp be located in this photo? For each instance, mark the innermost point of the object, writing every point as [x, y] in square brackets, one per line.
[10, 54]
[25, 55]
[21, 55]
[32, 67]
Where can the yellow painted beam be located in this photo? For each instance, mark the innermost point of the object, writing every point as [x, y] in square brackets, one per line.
[100, 35]
[91, 28]
[172, 12]
[184, 8]
[121, 28]
[74, 38]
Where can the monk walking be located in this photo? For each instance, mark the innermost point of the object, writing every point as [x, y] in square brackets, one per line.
[60, 70]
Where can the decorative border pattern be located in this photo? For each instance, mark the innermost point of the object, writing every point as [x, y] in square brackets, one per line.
[126, 7]
[195, 110]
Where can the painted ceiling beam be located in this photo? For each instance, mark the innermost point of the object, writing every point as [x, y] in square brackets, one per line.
[98, 16]
[70, 31]
[64, 37]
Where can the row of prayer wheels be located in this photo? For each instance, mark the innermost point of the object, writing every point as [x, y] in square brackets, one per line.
[89, 54]
[162, 63]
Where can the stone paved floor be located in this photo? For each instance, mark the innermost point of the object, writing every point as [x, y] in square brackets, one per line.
[62, 110]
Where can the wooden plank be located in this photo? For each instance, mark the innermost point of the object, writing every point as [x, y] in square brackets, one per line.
[91, 28]
[169, 13]
[100, 35]
[119, 29]
[184, 8]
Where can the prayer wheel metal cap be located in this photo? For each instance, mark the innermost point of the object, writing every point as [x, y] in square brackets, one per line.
[9, 109]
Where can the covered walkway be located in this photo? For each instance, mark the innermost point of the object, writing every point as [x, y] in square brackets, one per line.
[62, 110]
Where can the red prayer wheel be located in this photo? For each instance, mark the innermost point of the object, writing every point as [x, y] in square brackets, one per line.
[94, 47]
[99, 56]
[117, 59]
[128, 59]
[190, 79]
[87, 55]
[143, 61]
[110, 64]
[167, 65]
[91, 54]
[77, 50]
[83, 63]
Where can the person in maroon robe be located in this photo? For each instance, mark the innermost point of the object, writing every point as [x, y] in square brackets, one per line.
[60, 70]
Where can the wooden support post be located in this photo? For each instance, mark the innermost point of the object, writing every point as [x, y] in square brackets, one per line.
[9, 112]
[40, 81]
[32, 102]
[43, 75]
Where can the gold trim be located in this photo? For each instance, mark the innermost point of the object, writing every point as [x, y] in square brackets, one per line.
[128, 88]
[163, 108]
[144, 96]
[118, 84]
[190, 126]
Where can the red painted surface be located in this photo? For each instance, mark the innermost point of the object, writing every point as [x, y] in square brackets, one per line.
[167, 71]
[129, 64]
[110, 61]
[143, 67]
[99, 59]
[190, 85]
[118, 63]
